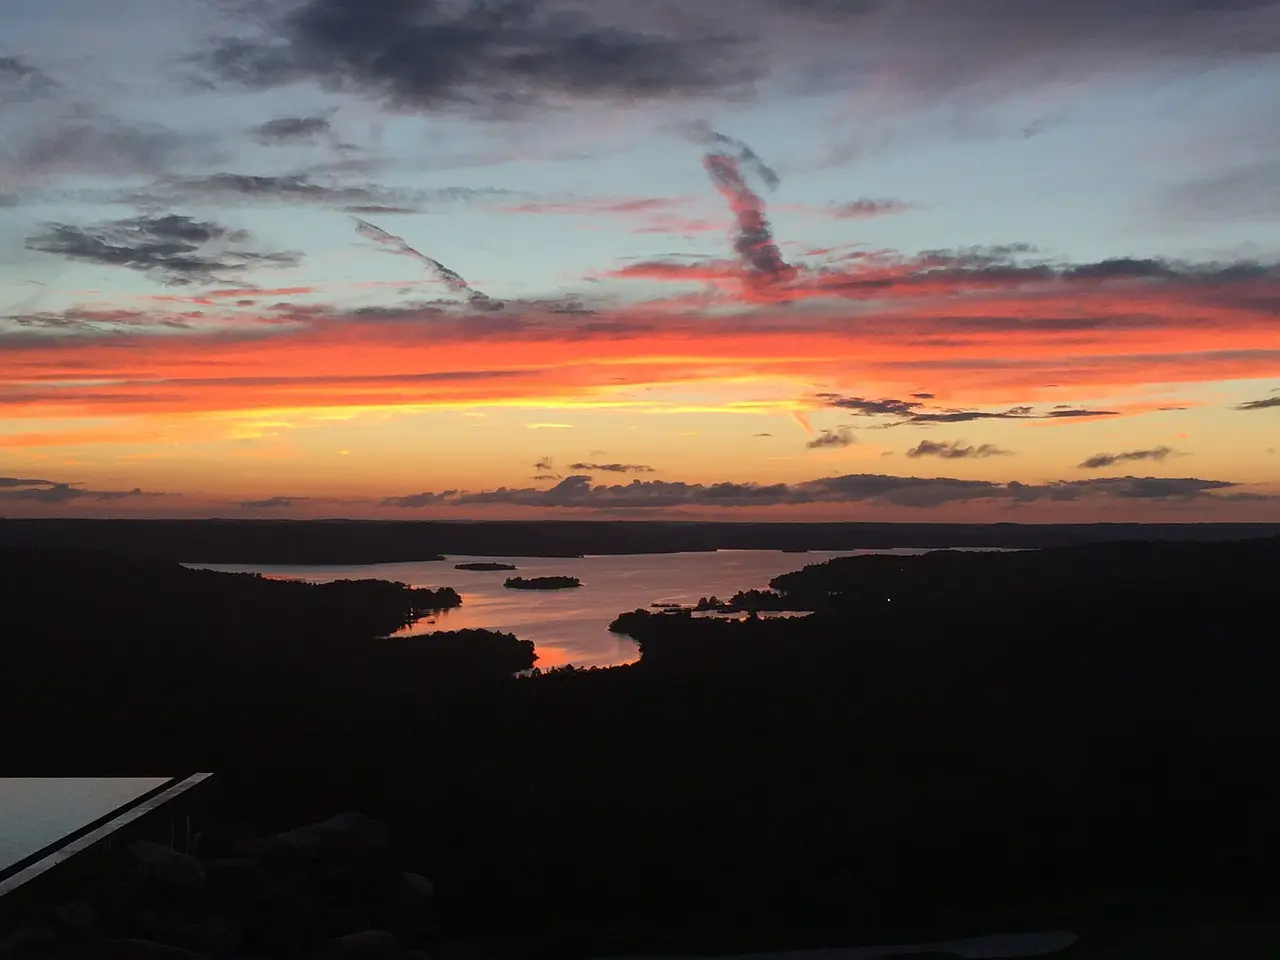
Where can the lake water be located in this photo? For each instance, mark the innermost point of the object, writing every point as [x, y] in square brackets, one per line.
[37, 811]
[572, 626]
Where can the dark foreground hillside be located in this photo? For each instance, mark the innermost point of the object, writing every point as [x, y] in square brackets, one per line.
[951, 744]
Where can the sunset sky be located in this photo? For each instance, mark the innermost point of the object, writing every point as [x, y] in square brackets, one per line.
[726, 259]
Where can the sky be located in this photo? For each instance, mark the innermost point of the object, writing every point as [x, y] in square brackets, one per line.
[893, 260]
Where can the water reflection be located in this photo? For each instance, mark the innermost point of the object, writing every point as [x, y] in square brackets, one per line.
[572, 626]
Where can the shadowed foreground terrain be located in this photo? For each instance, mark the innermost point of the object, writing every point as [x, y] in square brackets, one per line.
[951, 745]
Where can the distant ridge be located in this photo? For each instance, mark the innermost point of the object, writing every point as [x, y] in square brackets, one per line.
[388, 541]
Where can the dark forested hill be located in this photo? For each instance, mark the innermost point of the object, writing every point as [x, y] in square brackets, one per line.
[951, 744]
[370, 541]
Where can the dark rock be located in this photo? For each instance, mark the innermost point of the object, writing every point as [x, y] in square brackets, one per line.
[416, 892]
[129, 949]
[31, 943]
[283, 921]
[235, 878]
[218, 936]
[348, 835]
[76, 918]
[167, 866]
[414, 904]
[365, 945]
[345, 920]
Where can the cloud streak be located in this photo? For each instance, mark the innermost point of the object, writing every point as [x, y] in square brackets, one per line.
[915, 412]
[955, 450]
[291, 130]
[757, 251]
[1265, 403]
[612, 467]
[866, 208]
[1100, 460]
[453, 281]
[52, 492]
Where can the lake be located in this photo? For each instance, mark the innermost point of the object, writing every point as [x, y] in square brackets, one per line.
[571, 626]
[38, 811]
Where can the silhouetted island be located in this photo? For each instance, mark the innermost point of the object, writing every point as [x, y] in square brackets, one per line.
[541, 583]
[484, 565]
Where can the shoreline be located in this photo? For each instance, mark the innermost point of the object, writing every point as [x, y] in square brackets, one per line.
[349, 542]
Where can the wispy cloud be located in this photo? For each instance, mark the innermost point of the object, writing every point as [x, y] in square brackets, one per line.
[1264, 404]
[21, 82]
[842, 437]
[177, 249]
[914, 411]
[298, 188]
[451, 279]
[955, 450]
[104, 146]
[1100, 460]
[291, 130]
[761, 259]
[612, 467]
[866, 208]
[53, 492]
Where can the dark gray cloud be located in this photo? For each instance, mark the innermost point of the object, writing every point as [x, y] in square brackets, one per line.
[872, 408]
[1100, 460]
[867, 207]
[271, 503]
[21, 82]
[612, 467]
[177, 249]
[484, 57]
[913, 412]
[494, 58]
[955, 450]
[1263, 404]
[55, 493]
[923, 492]
[237, 188]
[291, 130]
[421, 499]
[842, 437]
[104, 146]
[1072, 413]
[80, 319]
[762, 434]
[9, 482]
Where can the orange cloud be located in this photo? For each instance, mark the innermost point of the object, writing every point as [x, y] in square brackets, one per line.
[969, 335]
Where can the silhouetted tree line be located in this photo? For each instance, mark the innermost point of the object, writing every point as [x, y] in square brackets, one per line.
[381, 541]
[950, 744]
